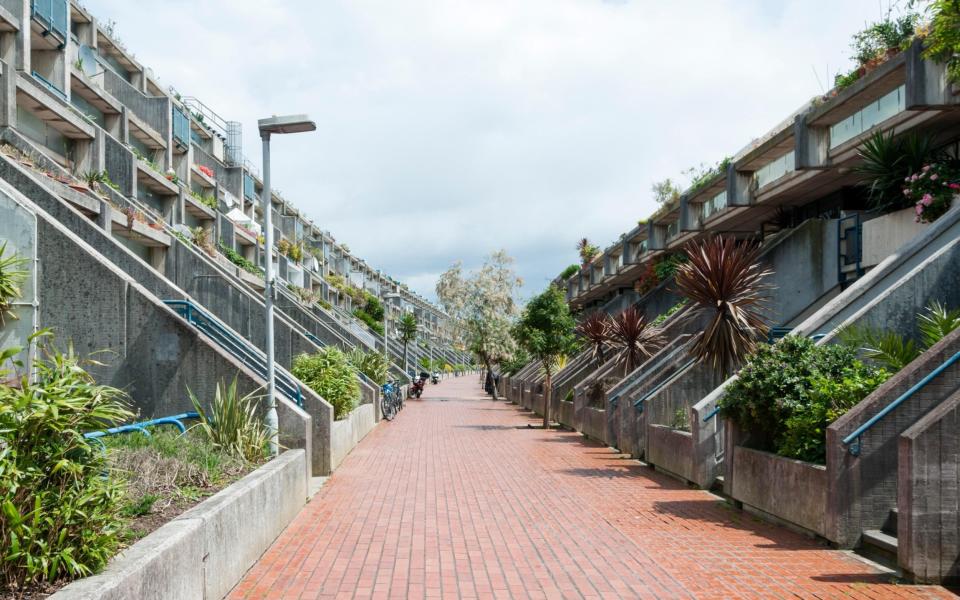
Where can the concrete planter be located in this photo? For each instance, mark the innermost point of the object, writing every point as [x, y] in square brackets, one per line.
[345, 434]
[791, 490]
[205, 551]
[593, 423]
[670, 450]
[885, 234]
[564, 414]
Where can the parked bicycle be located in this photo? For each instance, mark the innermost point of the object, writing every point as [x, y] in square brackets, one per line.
[391, 399]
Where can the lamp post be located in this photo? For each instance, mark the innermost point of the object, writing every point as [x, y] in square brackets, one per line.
[278, 125]
[387, 296]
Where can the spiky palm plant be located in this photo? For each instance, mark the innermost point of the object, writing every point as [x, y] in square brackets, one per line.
[887, 160]
[595, 329]
[725, 284]
[636, 339]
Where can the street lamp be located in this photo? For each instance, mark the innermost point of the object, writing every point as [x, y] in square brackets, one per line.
[387, 296]
[278, 125]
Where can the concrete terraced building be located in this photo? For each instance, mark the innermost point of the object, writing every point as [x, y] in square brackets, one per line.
[889, 485]
[143, 220]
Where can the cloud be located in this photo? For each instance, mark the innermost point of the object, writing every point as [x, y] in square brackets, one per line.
[448, 129]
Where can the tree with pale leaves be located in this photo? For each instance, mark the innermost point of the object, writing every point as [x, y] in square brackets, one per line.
[484, 306]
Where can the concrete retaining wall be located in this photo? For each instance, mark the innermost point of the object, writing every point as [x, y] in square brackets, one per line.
[792, 490]
[347, 433]
[670, 450]
[205, 551]
[863, 488]
[928, 524]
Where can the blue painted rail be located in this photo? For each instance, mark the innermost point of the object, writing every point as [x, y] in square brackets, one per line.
[240, 348]
[853, 440]
[712, 413]
[175, 420]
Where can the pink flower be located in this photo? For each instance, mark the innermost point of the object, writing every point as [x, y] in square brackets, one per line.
[913, 177]
[933, 177]
[927, 200]
[906, 192]
[954, 186]
[919, 209]
[926, 168]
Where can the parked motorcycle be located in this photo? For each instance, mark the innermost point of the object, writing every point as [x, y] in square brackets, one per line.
[435, 378]
[416, 388]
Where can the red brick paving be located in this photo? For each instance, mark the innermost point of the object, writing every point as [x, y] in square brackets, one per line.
[459, 499]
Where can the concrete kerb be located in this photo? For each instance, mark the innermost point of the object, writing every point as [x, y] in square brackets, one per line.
[205, 551]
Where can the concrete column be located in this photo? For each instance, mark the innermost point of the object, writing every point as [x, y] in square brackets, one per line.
[103, 219]
[90, 154]
[168, 136]
[158, 256]
[181, 208]
[927, 86]
[8, 95]
[23, 36]
[739, 187]
[124, 133]
[812, 144]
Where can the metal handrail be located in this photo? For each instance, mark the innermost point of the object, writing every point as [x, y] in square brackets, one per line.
[238, 347]
[712, 413]
[853, 440]
[141, 426]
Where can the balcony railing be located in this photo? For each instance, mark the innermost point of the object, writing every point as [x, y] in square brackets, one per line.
[52, 14]
[713, 205]
[869, 116]
[181, 128]
[249, 191]
[775, 169]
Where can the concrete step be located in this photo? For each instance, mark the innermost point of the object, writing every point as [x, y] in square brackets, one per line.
[879, 547]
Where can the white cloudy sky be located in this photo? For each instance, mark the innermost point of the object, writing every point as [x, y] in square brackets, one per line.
[450, 128]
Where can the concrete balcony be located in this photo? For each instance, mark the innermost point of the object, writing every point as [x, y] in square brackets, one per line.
[56, 112]
[155, 181]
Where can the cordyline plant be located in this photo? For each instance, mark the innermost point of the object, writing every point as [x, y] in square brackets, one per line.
[587, 251]
[595, 329]
[636, 339]
[724, 282]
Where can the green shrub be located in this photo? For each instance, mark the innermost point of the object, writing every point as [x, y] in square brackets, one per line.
[330, 374]
[12, 275]
[569, 272]
[787, 393]
[231, 424]
[371, 364]
[235, 257]
[681, 420]
[373, 307]
[60, 515]
[669, 313]
[371, 322]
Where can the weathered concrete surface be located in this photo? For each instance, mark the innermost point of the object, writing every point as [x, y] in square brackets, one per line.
[792, 490]
[671, 450]
[885, 234]
[928, 501]
[346, 433]
[204, 552]
[863, 488]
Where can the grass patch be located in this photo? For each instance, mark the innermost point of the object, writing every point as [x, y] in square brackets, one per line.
[166, 473]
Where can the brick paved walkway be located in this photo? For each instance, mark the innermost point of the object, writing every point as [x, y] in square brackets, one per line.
[460, 499]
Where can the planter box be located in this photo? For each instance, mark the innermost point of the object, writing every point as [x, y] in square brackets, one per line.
[205, 551]
[593, 423]
[347, 433]
[670, 450]
[565, 414]
[792, 490]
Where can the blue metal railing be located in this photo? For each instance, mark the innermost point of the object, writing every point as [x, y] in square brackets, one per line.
[240, 348]
[52, 14]
[181, 127]
[712, 413]
[249, 189]
[176, 420]
[853, 440]
[49, 85]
